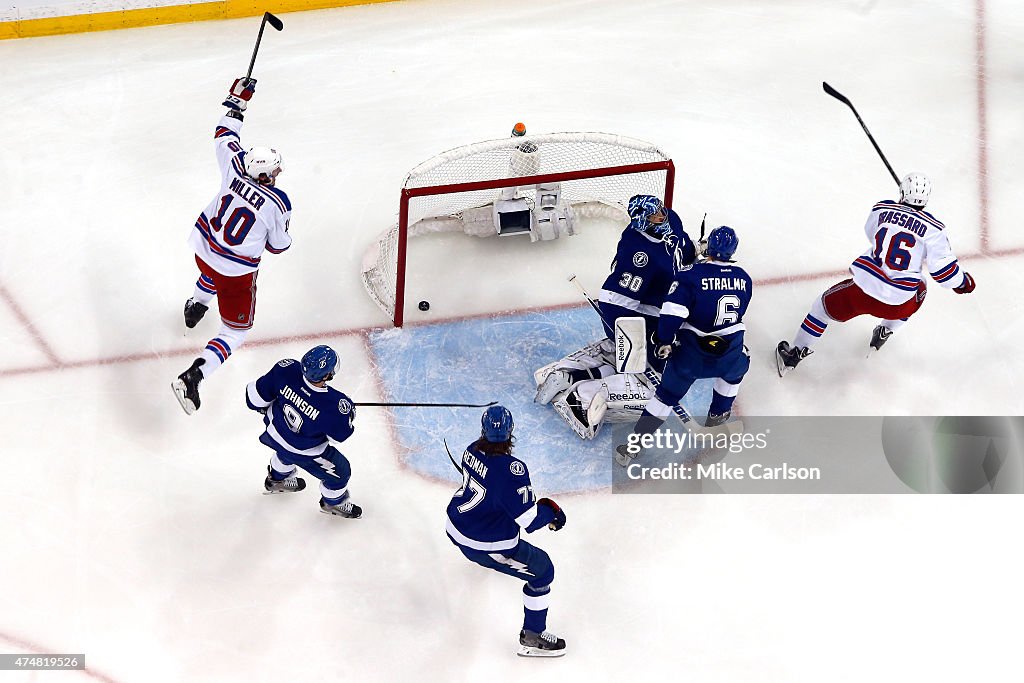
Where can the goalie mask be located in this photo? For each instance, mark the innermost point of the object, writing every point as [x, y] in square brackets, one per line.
[648, 214]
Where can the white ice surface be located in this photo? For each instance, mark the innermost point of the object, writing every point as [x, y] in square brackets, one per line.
[138, 536]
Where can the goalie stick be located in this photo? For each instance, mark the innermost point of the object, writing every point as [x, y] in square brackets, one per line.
[268, 18]
[651, 376]
[845, 100]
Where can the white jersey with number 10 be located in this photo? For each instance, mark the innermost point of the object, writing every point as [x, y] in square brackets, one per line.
[245, 217]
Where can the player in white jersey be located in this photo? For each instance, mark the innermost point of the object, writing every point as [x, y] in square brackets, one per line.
[887, 280]
[248, 214]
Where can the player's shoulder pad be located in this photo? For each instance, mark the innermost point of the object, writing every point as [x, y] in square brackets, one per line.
[634, 250]
[518, 468]
[285, 362]
[346, 406]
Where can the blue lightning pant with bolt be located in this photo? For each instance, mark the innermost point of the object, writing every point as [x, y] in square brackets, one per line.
[330, 467]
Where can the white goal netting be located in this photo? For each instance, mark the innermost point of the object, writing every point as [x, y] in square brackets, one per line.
[596, 172]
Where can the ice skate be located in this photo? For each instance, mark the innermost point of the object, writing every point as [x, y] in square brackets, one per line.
[290, 484]
[540, 644]
[879, 336]
[717, 420]
[194, 312]
[623, 456]
[555, 383]
[186, 387]
[345, 508]
[788, 357]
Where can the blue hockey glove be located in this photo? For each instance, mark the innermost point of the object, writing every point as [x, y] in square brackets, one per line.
[559, 521]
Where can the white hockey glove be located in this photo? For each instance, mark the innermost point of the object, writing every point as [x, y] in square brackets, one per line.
[240, 93]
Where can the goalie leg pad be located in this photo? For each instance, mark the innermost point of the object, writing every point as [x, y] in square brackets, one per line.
[577, 419]
[591, 356]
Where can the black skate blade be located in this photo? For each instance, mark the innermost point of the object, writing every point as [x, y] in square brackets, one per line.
[178, 387]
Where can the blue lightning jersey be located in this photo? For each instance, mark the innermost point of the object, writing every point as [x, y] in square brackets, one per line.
[643, 270]
[496, 500]
[706, 303]
[300, 417]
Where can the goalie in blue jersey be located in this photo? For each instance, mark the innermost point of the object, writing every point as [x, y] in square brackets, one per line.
[485, 517]
[587, 387]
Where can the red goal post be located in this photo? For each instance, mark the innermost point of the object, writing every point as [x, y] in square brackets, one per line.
[577, 161]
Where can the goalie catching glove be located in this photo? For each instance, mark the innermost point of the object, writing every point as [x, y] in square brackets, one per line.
[240, 93]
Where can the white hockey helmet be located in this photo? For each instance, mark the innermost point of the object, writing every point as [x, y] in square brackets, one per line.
[263, 161]
[915, 190]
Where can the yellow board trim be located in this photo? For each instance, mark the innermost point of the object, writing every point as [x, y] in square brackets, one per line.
[175, 14]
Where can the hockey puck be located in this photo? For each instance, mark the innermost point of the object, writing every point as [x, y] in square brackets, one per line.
[424, 305]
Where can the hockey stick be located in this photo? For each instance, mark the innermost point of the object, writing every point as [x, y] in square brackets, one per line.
[450, 457]
[648, 373]
[845, 100]
[268, 18]
[432, 405]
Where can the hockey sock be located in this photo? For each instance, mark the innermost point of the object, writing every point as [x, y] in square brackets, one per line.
[894, 325]
[220, 347]
[813, 326]
[535, 608]
[723, 396]
[648, 424]
[332, 496]
[279, 470]
[205, 290]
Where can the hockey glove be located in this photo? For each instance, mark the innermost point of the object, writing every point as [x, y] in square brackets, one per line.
[661, 349]
[967, 287]
[240, 93]
[559, 521]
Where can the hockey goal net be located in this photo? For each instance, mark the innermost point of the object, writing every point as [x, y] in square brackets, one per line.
[594, 172]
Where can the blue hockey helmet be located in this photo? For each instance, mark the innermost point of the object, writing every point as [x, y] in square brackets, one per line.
[496, 424]
[647, 213]
[722, 243]
[319, 363]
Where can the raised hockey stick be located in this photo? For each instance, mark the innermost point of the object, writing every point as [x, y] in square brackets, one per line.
[268, 18]
[651, 376]
[450, 457]
[845, 100]
[431, 405]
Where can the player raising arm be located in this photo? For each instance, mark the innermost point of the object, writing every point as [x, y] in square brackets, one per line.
[486, 515]
[247, 215]
[887, 280]
[302, 416]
